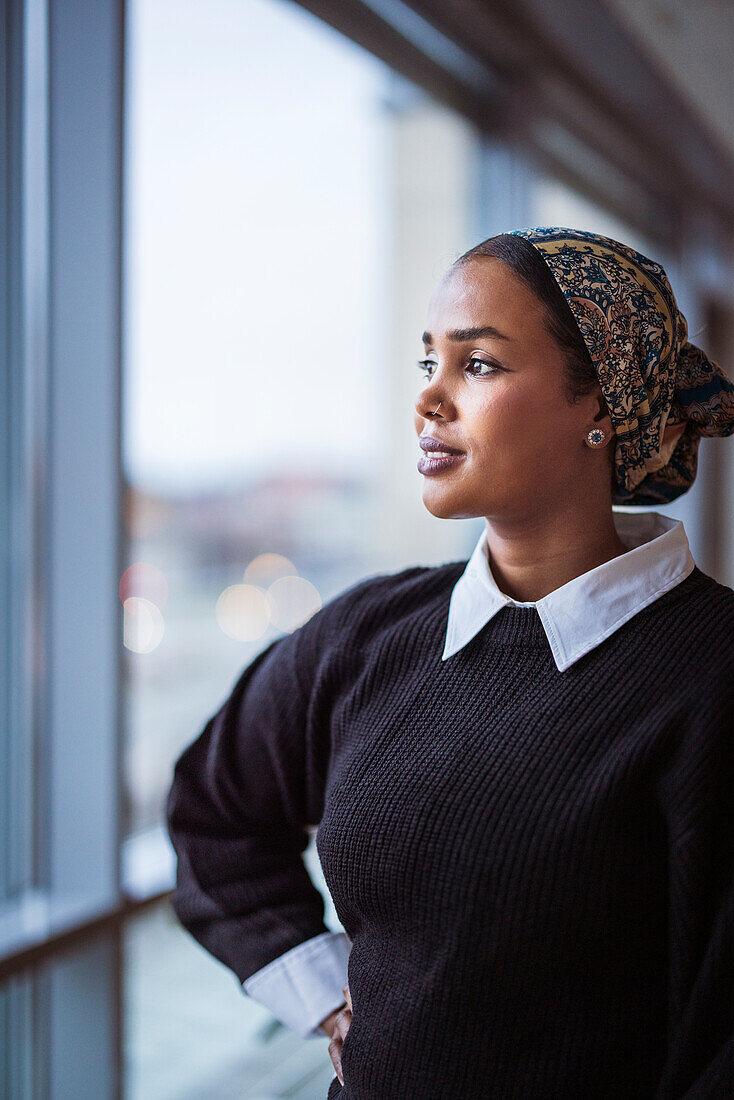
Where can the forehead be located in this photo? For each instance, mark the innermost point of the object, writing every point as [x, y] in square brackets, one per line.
[479, 291]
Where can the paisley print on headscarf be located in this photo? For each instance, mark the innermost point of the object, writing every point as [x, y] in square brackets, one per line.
[663, 392]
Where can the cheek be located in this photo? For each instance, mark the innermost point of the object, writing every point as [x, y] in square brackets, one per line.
[512, 417]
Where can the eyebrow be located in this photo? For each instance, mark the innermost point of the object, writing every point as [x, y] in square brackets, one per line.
[461, 335]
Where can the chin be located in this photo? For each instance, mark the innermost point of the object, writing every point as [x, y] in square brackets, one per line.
[448, 505]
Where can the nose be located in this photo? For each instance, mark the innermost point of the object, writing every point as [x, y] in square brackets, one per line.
[430, 404]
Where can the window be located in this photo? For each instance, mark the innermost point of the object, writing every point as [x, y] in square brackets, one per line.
[282, 239]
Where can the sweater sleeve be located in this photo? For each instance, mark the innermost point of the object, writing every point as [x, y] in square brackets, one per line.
[697, 797]
[242, 798]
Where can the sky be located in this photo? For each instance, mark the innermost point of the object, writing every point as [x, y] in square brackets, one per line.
[255, 227]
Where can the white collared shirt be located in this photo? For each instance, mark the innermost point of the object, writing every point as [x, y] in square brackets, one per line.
[302, 986]
[580, 614]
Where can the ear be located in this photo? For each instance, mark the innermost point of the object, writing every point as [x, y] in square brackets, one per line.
[601, 416]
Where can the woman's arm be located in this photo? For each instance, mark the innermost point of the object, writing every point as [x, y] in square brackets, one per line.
[697, 797]
[242, 796]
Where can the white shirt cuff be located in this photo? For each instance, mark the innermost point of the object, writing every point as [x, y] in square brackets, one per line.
[304, 985]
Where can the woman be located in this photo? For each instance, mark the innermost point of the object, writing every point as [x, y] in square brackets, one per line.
[521, 764]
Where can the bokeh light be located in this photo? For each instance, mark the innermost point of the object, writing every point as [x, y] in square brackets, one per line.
[266, 568]
[144, 579]
[243, 612]
[293, 600]
[143, 625]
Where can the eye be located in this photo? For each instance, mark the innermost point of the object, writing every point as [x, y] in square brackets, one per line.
[428, 366]
[485, 363]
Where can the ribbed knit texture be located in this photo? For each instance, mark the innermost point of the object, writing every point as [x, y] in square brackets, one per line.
[535, 867]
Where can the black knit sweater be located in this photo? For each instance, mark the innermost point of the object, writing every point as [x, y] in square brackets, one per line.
[535, 867]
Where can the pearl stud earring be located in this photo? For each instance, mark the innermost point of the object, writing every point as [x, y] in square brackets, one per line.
[595, 437]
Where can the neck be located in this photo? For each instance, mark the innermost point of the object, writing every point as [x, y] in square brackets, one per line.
[540, 553]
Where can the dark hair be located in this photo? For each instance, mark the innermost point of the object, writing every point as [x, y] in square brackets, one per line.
[527, 263]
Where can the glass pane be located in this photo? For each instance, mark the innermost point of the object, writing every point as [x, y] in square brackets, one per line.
[59, 1025]
[19, 1070]
[290, 204]
[277, 185]
[190, 1033]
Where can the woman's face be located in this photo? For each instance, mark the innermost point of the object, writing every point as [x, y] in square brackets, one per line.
[503, 400]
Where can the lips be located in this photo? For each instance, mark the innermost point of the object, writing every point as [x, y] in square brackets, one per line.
[431, 444]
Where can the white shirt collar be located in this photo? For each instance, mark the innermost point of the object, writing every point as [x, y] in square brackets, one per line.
[580, 614]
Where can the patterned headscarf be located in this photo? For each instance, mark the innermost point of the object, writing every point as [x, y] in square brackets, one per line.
[663, 393]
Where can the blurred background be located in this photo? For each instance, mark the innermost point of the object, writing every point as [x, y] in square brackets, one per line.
[221, 225]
